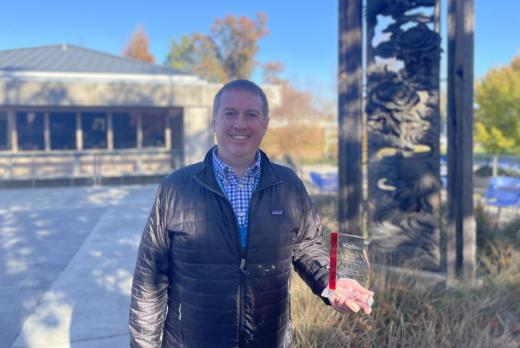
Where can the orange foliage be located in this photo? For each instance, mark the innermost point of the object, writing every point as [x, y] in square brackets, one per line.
[138, 46]
[295, 127]
[271, 72]
[298, 141]
[229, 51]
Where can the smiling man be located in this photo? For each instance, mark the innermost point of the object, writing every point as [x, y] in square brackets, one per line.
[240, 122]
[215, 257]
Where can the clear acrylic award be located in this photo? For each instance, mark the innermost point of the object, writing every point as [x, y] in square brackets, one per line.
[348, 259]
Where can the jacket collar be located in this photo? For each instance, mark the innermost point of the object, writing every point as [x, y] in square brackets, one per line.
[206, 176]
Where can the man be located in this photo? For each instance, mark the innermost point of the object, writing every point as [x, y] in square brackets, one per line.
[215, 258]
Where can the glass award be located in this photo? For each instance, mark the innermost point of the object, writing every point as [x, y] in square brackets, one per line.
[348, 259]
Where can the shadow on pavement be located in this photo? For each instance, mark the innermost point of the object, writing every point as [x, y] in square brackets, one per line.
[66, 264]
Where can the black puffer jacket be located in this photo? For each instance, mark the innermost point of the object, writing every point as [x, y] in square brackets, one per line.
[194, 285]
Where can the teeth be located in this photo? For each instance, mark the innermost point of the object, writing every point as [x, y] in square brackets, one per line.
[239, 137]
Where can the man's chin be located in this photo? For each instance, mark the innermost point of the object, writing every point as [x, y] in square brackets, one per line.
[241, 154]
[242, 149]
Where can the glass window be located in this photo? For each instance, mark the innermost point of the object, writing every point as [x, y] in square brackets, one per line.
[5, 143]
[124, 127]
[94, 126]
[154, 126]
[29, 126]
[63, 130]
[177, 127]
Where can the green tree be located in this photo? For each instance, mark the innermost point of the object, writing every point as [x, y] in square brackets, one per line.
[497, 126]
[227, 52]
[182, 54]
[138, 46]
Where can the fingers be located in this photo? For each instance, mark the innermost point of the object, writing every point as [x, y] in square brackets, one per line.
[350, 296]
[366, 306]
[345, 304]
[362, 294]
[353, 306]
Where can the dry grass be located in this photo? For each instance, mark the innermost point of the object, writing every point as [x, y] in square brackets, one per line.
[414, 312]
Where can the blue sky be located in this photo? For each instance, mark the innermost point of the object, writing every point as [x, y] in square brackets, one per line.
[303, 33]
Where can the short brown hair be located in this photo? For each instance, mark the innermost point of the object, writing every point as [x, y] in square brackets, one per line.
[242, 85]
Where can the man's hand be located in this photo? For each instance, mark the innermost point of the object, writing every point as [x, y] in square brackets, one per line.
[350, 296]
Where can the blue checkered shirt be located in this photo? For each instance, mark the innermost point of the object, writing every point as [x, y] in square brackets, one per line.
[238, 190]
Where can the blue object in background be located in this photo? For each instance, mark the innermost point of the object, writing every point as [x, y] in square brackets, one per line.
[325, 182]
[503, 192]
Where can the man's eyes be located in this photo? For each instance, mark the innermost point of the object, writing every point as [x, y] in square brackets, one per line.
[230, 114]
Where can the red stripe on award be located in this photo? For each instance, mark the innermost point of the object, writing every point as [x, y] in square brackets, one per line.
[333, 261]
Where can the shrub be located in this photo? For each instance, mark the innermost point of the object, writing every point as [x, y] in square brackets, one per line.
[412, 311]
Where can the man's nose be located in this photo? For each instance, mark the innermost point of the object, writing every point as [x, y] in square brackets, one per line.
[240, 122]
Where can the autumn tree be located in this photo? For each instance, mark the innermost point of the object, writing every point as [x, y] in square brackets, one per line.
[271, 72]
[227, 52]
[138, 46]
[295, 128]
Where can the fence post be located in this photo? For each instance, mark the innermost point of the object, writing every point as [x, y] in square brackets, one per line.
[461, 238]
[349, 116]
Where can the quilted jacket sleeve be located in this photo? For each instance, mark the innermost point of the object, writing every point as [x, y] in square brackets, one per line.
[310, 256]
[148, 304]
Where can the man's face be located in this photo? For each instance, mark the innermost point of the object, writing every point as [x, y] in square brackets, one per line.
[239, 126]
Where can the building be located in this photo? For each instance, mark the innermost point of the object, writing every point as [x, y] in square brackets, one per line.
[73, 115]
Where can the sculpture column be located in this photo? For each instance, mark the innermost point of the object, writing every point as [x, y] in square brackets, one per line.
[403, 133]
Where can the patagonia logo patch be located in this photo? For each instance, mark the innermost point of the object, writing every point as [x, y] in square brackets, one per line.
[276, 212]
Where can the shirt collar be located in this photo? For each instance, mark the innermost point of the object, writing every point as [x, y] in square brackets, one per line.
[222, 169]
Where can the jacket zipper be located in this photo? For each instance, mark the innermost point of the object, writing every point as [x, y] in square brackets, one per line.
[243, 252]
[242, 271]
[243, 263]
[241, 297]
[242, 266]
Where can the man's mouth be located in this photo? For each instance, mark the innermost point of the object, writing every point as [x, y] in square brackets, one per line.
[240, 137]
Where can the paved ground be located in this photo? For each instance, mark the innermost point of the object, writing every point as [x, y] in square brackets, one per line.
[66, 262]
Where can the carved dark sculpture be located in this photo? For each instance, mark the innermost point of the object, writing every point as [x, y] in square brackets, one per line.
[403, 137]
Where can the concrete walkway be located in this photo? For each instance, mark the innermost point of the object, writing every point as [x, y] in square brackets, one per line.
[66, 262]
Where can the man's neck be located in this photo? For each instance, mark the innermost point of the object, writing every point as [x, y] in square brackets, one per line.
[239, 165]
